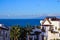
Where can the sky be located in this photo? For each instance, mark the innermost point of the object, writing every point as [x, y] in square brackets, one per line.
[28, 8]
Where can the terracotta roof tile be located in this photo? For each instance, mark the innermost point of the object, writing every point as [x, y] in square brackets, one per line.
[53, 18]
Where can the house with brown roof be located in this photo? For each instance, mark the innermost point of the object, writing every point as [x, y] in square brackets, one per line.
[51, 26]
[50, 30]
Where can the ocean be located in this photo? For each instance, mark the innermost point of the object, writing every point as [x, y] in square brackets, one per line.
[22, 22]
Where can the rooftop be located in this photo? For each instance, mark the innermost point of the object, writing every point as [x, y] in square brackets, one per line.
[2, 26]
[53, 18]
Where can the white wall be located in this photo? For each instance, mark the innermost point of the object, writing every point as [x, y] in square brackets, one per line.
[55, 24]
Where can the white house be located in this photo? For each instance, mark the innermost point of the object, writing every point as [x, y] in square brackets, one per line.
[52, 28]
[4, 32]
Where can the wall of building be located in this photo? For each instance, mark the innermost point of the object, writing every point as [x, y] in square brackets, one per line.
[56, 26]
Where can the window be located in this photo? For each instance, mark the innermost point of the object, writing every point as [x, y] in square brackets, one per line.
[55, 27]
[0, 32]
[6, 34]
[43, 29]
[59, 34]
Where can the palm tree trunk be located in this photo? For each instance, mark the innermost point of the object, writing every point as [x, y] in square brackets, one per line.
[15, 38]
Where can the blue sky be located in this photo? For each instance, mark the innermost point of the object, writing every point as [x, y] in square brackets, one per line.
[29, 8]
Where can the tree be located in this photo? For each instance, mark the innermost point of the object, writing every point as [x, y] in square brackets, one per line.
[25, 30]
[39, 27]
[23, 34]
[28, 28]
[15, 32]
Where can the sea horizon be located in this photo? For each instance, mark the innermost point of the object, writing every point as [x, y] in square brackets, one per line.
[21, 22]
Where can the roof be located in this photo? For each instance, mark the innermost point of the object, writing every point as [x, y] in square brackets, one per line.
[48, 19]
[36, 29]
[4, 27]
[53, 18]
[45, 20]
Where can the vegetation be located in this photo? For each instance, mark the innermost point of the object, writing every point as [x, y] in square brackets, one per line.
[15, 32]
[18, 32]
[39, 27]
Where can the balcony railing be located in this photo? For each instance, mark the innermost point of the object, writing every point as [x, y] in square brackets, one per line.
[58, 28]
[52, 30]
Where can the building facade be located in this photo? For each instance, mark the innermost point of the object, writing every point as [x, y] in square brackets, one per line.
[4, 32]
[50, 30]
[34, 35]
[51, 26]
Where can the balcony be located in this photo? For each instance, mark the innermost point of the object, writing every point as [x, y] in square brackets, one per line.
[59, 29]
[52, 30]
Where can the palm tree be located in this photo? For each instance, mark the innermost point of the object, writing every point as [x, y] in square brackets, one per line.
[23, 34]
[24, 31]
[15, 32]
[28, 28]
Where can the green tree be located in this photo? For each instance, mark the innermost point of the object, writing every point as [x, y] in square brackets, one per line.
[24, 30]
[28, 28]
[15, 32]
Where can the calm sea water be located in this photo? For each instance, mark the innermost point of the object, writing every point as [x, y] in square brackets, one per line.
[22, 22]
